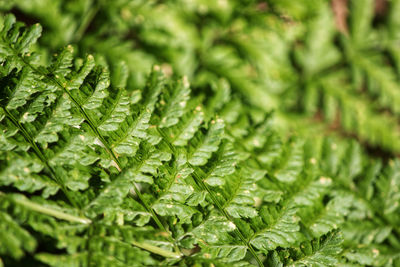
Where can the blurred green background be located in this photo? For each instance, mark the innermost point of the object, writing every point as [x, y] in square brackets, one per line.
[324, 67]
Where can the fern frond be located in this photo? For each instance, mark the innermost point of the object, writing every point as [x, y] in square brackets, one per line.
[276, 228]
[23, 171]
[94, 171]
[320, 252]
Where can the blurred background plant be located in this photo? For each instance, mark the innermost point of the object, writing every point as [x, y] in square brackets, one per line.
[329, 67]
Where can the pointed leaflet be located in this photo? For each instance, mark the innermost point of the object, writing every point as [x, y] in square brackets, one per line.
[116, 114]
[224, 253]
[127, 120]
[271, 150]
[60, 116]
[130, 211]
[141, 169]
[372, 255]
[173, 190]
[18, 91]
[310, 191]
[388, 185]
[188, 125]
[221, 166]
[321, 252]
[128, 142]
[360, 23]
[173, 102]
[204, 145]
[14, 41]
[240, 189]
[214, 231]
[23, 172]
[259, 136]
[62, 63]
[320, 52]
[279, 228]
[73, 147]
[174, 208]
[291, 164]
[174, 193]
[99, 94]
[330, 217]
[365, 232]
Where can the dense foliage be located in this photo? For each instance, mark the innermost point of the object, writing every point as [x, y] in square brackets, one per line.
[199, 133]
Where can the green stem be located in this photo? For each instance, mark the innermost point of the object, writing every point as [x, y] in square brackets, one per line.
[156, 250]
[86, 20]
[46, 210]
